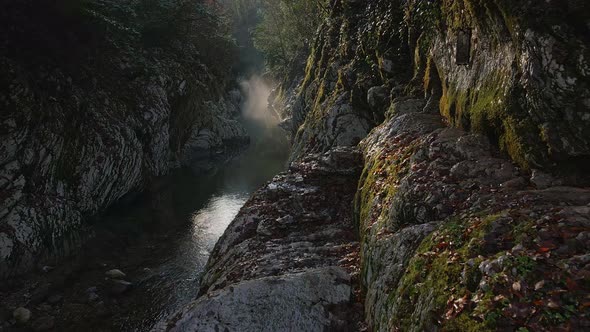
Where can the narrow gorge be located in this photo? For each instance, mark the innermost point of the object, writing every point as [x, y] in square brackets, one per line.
[294, 165]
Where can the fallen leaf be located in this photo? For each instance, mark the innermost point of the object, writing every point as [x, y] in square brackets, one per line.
[499, 298]
[546, 246]
[539, 285]
[456, 306]
[516, 286]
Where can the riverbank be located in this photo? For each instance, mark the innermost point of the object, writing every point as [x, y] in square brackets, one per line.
[161, 240]
[290, 259]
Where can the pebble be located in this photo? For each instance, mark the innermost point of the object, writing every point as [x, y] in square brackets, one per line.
[47, 268]
[115, 273]
[22, 315]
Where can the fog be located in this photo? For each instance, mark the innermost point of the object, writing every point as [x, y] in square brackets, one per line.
[255, 108]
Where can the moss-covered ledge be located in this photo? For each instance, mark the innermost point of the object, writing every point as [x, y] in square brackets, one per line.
[453, 238]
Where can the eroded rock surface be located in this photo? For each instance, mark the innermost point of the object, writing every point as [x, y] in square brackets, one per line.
[455, 236]
[289, 261]
[89, 116]
[524, 83]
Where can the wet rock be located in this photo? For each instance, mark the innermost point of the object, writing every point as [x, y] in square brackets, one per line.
[21, 315]
[47, 269]
[115, 274]
[569, 195]
[406, 105]
[543, 180]
[517, 183]
[113, 154]
[44, 323]
[118, 287]
[492, 267]
[263, 229]
[473, 146]
[378, 98]
[286, 124]
[299, 302]
[292, 246]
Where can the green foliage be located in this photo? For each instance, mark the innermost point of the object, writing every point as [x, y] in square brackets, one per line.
[166, 21]
[286, 28]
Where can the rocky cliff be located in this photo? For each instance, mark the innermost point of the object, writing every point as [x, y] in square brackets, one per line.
[289, 261]
[522, 81]
[97, 99]
[473, 120]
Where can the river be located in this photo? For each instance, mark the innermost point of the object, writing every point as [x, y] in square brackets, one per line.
[161, 240]
[181, 223]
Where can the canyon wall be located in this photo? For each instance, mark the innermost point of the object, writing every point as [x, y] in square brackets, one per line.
[472, 209]
[97, 99]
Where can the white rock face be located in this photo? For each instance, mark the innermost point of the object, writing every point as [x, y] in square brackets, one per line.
[207, 137]
[292, 302]
[87, 155]
[115, 273]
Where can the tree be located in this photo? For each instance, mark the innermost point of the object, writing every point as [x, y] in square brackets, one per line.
[287, 28]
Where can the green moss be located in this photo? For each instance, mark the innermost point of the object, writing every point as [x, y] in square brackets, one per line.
[491, 109]
[435, 275]
[379, 183]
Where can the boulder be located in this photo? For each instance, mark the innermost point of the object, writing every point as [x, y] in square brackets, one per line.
[21, 315]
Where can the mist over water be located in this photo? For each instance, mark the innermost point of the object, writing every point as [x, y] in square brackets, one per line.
[196, 210]
[256, 92]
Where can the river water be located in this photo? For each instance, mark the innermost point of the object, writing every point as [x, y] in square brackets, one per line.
[162, 240]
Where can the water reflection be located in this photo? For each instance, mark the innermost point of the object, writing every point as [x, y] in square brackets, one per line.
[210, 223]
[188, 213]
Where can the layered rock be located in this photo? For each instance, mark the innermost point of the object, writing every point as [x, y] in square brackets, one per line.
[456, 237]
[289, 260]
[523, 82]
[456, 233]
[352, 53]
[220, 131]
[526, 83]
[467, 211]
[93, 110]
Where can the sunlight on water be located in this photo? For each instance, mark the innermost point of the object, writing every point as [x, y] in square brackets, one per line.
[195, 209]
[210, 222]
